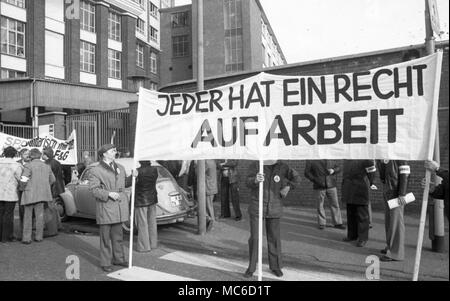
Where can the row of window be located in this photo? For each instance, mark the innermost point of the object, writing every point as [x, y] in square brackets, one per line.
[7, 73]
[12, 37]
[18, 3]
[87, 59]
[87, 22]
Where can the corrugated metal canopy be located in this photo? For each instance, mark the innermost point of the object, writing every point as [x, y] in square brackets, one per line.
[16, 95]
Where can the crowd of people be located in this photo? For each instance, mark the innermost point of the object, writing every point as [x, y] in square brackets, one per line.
[37, 179]
[33, 182]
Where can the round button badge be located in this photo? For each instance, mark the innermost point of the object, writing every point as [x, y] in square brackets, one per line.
[276, 179]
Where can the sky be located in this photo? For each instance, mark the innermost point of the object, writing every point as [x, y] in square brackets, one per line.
[317, 29]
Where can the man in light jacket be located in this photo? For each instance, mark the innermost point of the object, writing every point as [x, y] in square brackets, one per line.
[10, 172]
[323, 175]
[38, 178]
[107, 182]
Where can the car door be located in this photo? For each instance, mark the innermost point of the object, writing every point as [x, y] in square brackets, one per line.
[85, 200]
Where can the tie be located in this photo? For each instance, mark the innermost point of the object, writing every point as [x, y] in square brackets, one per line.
[112, 166]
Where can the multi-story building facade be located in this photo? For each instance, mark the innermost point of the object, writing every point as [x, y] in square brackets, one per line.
[76, 56]
[237, 37]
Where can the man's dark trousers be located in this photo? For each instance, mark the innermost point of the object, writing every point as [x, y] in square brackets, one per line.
[225, 189]
[273, 243]
[111, 248]
[358, 222]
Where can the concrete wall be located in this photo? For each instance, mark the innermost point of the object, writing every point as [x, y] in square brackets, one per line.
[304, 193]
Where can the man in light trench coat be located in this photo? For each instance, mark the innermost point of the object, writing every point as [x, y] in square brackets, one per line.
[107, 182]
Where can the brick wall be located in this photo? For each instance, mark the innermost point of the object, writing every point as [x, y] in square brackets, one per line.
[303, 195]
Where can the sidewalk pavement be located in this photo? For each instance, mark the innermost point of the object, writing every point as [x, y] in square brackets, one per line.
[304, 246]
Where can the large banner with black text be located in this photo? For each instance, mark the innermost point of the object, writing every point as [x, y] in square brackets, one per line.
[384, 113]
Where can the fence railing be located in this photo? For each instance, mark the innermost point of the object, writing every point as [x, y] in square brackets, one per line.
[22, 131]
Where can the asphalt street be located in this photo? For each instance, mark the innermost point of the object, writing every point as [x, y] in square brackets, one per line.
[221, 255]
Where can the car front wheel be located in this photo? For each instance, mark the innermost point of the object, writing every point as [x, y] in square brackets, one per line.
[59, 203]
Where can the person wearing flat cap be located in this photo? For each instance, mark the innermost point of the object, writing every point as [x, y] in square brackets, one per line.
[107, 182]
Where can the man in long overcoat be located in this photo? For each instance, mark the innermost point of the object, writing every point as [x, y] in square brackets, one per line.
[107, 182]
[358, 176]
[278, 179]
[394, 175]
[229, 189]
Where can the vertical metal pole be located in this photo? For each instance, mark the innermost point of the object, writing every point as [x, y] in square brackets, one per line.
[260, 220]
[201, 189]
[430, 47]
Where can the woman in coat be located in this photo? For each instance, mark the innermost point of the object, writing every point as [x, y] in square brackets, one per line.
[278, 179]
[38, 178]
[10, 172]
[145, 203]
[357, 179]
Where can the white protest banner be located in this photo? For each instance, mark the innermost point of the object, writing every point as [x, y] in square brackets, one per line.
[387, 112]
[65, 151]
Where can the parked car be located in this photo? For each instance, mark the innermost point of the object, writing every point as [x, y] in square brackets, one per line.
[174, 204]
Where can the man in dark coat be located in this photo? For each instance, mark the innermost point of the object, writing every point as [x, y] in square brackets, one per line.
[57, 187]
[278, 180]
[323, 175]
[229, 188]
[394, 175]
[107, 182]
[358, 176]
[441, 191]
[145, 203]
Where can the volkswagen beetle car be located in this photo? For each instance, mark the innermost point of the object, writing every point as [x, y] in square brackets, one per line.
[174, 204]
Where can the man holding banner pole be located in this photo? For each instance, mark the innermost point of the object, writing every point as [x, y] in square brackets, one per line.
[278, 179]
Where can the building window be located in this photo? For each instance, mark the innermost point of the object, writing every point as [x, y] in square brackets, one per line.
[140, 55]
[153, 10]
[7, 73]
[153, 63]
[233, 35]
[153, 86]
[12, 37]
[19, 3]
[180, 46]
[180, 19]
[87, 16]
[87, 57]
[232, 14]
[140, 2]
[153, 34]
[114, 26]
[140, 26]
[114, 63]
[233, 54]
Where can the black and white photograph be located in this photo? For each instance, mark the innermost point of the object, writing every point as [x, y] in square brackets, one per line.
[224, 147]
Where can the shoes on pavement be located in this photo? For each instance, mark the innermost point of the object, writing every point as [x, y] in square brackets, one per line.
[321, 227]
[248, 274]
[361, 243]
[386, 258]
[123, 263]
[384, 251]
[238, 218]
[341, 226]
[277, 273]
[346, 239]
[107, 269]
[26, 242]
[209, 224]
[38, 240]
